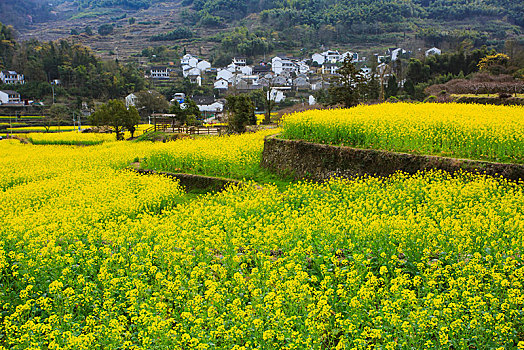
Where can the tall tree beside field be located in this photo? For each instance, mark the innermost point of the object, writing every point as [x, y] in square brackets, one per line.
[150, 102]
[241, 112]
[392, 86]
[115, 115]
[348, 86]
[56, 115]
[269, 103]
[188, 113]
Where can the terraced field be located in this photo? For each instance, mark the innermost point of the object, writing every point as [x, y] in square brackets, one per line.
[96, 256]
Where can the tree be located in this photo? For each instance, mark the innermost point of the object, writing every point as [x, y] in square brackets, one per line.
[187, 113]
[392, 86]
[132, 120]
[149, 102]
[495, 64]
[191, 111]
[347, 86]
[269, 103]
[115, 115]
[241, 112]
[105, 29]
[56, 115]
[418, 71]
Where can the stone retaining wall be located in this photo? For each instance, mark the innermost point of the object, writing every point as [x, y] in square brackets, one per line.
[303, 159]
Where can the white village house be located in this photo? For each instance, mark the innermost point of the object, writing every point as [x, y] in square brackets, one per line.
[239, 61]
[11, 77]
[395, 54]
[225, 74]
[191, 72]
[203, 65]
[276, 95]
[329, 68]
[214, 109]
[9, 97]
[279, 65]
[318, 58]
[221, 84]
[160, 72]
[433, 51]
[131, 100]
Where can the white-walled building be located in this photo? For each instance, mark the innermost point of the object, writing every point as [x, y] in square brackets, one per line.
[276, 95]
[214, 109]
[193, 61]
[366, 71]
[160, 72]
[239, 61]
[433, 51]
[329, 68]
[395, 54]
[225, 74]
[192, 71]
[280, 66]
[352, 55]
[246, 70]
[331, 56]
[10, 97]
[11, 77]
[131, 100]
[195, 78]
[318, 58]
[203, 65]
[185, 59]
[221, 84]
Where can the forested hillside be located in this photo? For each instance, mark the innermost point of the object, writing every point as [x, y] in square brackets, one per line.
[80, 72]
[347, 12]
[25, 12]
[221, 29]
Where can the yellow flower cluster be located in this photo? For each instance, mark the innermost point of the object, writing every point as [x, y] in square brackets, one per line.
[230, 156]
[96, 257]
[494, 133]
[42, 128]
[77, 138]
[69, 138]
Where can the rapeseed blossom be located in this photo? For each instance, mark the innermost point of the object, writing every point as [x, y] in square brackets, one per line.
[96, 256]
[484, 132]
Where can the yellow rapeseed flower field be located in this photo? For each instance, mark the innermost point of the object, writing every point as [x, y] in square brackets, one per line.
[228, 156]
[494, 133]
[96, 257]
[77, 138]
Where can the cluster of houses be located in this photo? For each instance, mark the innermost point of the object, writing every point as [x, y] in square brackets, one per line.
[10, 97]
[280, 73]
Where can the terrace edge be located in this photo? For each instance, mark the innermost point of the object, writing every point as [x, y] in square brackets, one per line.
[314, 161]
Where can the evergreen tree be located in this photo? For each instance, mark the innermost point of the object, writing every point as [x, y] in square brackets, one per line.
[347, 87]
[241, 112]
[392, 86]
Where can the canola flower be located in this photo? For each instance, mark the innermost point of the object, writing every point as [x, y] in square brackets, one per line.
[92, 256]
[69, 138]
[54, 128]
[78, 138]
[483, 132]
[20, 117]
[234, 156]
